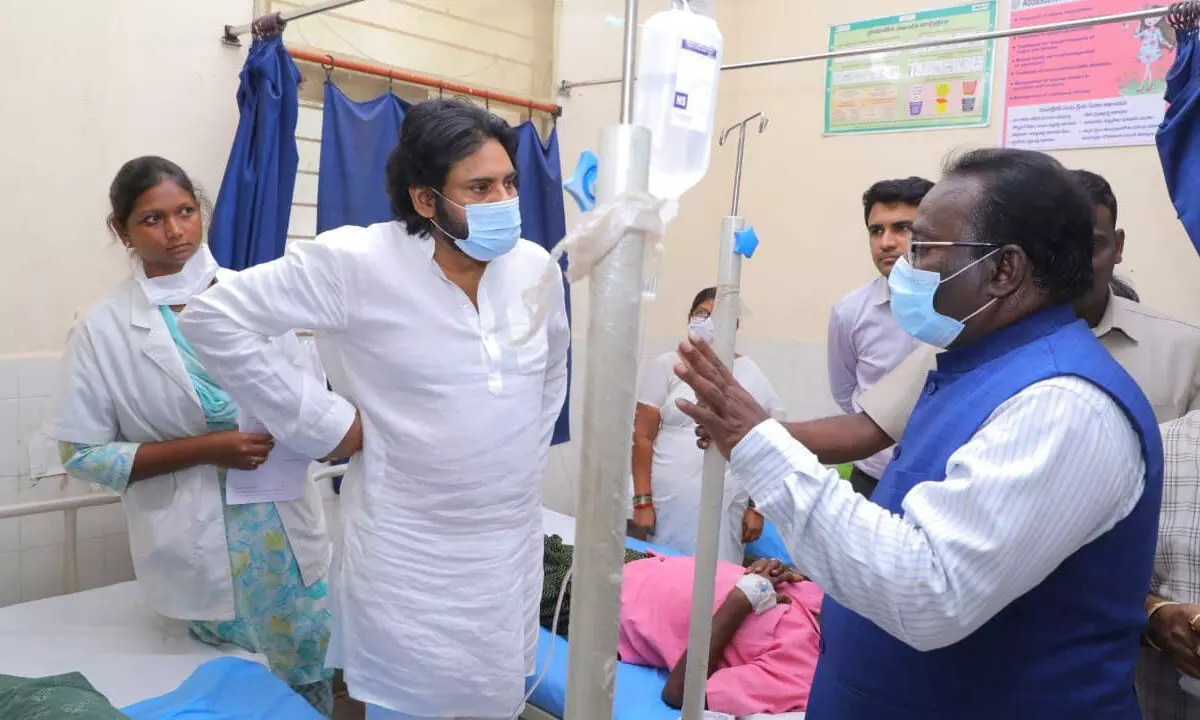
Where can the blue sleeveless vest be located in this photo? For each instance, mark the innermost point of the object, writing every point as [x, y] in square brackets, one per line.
[1066, 649]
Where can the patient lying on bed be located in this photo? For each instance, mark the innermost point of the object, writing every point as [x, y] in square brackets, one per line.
[757, 664]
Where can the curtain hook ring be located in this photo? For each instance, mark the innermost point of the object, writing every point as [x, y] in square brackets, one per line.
[1174, 15]
[328, 68]
[441, 90]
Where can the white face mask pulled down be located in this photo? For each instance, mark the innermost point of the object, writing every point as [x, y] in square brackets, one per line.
[194, 278]
[703, 328]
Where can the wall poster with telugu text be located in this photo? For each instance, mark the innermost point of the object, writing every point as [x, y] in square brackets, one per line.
[1100, 86]
[928, 88]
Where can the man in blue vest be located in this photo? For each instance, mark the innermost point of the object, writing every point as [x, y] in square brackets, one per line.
[1000, 569]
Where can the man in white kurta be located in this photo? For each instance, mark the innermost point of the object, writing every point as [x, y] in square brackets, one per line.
[437, 578]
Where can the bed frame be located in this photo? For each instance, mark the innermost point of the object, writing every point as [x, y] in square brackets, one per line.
[70, 507]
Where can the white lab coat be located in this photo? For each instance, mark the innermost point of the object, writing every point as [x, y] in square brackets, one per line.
[679, 464]
[436, 584]
[124, 380]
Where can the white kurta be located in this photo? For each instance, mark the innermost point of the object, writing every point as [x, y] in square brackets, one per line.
[679, 464]
[437, 580]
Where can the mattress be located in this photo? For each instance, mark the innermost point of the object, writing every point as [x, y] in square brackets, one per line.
[638, 691]
[124, 649]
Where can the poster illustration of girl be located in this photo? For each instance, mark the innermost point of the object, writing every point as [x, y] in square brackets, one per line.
[1157, 38]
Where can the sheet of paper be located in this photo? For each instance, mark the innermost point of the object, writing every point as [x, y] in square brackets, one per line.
[280, 479]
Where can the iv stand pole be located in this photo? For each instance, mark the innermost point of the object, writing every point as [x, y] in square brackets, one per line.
[712, 486]
[612, 361]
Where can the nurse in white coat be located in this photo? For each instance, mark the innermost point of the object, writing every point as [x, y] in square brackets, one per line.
[437, 580]
[139, 414]
[667, 465]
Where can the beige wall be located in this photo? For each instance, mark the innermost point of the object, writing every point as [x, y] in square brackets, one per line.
[505, 46]
[802, 191]
[93, 84]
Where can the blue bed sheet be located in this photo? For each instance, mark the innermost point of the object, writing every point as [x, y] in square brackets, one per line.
[769, 544]
[639, 689]
[227, 689]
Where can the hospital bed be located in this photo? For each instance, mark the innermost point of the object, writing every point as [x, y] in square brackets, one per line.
[125, 650]
[109, 634]
[131, 654]
[638, 694]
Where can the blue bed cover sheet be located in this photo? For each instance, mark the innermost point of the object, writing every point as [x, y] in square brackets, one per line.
[638, 693]
[769, 545]
[227, 689]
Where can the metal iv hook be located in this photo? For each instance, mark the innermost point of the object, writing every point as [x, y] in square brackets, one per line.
[741, 149]
[762, 125]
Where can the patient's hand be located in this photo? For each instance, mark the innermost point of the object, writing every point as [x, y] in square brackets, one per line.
[775, 571]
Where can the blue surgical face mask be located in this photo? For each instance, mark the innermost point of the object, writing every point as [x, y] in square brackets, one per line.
[493, 228]
[912, 303]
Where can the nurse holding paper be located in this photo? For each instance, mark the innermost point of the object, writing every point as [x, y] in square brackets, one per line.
[139, 414]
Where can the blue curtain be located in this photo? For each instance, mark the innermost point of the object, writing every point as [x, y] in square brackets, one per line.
[1178, 137]
[250, 219]
[356, 139]
[543, 218]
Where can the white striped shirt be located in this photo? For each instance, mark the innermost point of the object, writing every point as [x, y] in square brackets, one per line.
[1053, 468]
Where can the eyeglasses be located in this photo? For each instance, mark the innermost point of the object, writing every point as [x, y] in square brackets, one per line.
[915, 245]
[701, 315]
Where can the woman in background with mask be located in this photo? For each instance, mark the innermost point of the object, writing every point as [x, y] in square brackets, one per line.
[667, 465]
[139, 414]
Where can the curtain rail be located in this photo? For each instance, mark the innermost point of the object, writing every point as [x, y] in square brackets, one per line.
[1180, 7]
[382, 71]
[233, 32]
[274, 23]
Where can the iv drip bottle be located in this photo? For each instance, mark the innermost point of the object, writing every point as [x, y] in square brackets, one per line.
[675, 96]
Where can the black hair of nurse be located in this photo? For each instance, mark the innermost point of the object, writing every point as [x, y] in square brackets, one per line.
[702, 304]
[702, 307]
[157, 213]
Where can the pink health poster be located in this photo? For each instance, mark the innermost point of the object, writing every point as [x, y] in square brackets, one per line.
[1100, 86]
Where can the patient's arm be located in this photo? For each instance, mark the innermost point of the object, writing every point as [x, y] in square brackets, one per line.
[729, 617]
[841, 439]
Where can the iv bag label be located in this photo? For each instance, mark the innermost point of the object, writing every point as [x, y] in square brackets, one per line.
[695, 80]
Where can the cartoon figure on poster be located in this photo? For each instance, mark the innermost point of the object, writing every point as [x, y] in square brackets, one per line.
[1157, 39]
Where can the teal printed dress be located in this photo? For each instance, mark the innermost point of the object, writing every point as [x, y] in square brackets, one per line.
[276, 615]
